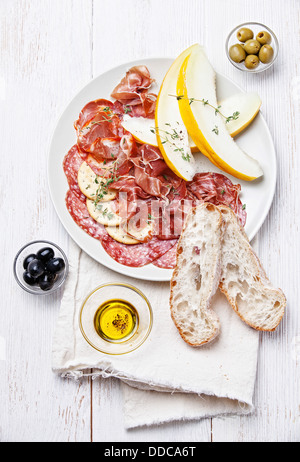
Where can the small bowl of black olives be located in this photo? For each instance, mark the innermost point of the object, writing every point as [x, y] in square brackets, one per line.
[252, 47]
[41, 267]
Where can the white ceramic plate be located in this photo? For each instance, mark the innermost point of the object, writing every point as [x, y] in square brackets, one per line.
[255, 140]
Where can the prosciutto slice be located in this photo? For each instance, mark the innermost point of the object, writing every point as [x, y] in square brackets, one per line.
[219, 190]
[132, 93]
[98, 130]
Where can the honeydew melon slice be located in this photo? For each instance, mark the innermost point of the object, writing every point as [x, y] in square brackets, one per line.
[171, 133]
[143, 130]
[247, 104]
[197, 80]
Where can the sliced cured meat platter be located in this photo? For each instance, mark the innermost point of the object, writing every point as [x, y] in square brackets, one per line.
[88, 136]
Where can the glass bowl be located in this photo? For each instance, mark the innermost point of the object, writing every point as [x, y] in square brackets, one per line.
[109, 293]
[33, 247]
[256, 27]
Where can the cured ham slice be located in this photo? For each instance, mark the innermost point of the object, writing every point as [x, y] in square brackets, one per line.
[98, 130]
[219, 190]
[90, 111]
[136, 79]
[132, 94]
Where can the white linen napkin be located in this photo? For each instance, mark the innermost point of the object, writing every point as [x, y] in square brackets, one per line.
[165, 379]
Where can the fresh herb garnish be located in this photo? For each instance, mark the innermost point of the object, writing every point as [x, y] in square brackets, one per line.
[205, 102]
[105, 182]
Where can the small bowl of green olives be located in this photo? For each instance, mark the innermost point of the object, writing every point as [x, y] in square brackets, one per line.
[40, 267]
[252, 47]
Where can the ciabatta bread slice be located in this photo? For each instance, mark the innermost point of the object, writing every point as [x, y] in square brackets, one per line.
[196, 276]
[244, 281]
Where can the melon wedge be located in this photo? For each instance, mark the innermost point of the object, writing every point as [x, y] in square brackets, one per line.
[171, 133]
[197, 80]
[247, 104]
[142, 130]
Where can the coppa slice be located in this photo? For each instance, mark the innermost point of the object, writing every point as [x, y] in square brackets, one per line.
[90, 184]
[207, 127]
[172, 135]
[196, 276]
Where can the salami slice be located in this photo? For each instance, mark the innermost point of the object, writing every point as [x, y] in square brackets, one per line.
[78, 210]
[136, 255]
[71, 165]
[168, 260]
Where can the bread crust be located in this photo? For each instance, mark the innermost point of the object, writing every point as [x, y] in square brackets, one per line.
[261, 275]
[175, 276]
[226, 218]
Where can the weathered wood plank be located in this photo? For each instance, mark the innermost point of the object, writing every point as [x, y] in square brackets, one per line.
[45, 57]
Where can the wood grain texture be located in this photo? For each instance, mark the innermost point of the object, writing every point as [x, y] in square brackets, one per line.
[49, 50]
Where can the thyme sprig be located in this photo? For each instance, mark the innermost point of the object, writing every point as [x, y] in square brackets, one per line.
[216, 130]
[104, 184]
[205, 102]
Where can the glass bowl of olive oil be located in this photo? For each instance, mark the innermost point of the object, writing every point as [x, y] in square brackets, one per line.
[116, 318]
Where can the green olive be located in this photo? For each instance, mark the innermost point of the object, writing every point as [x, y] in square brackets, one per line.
[237, 53]
[251, 62]
[252, 47]
[266, 54]
[244, 34]
[264, 37]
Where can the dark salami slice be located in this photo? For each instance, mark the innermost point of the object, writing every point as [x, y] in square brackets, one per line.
[71, 165]
[136, 255]
[129, 255]
[168, 260]
[79, 212]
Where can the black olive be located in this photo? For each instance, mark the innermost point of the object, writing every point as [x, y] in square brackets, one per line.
[36, 268]
[30, 280]
[55, 265]
[45, 254]
[28, 259]
[46, 281]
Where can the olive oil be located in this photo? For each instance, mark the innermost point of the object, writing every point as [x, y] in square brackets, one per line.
[116, 320]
